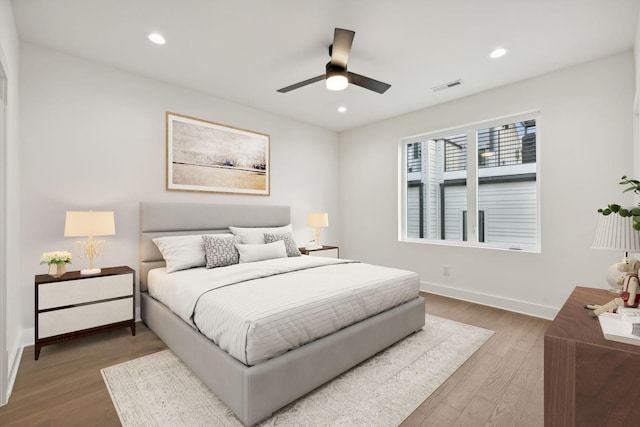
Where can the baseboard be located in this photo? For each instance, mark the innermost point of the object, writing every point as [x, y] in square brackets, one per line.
[14, 365]
[508, 304]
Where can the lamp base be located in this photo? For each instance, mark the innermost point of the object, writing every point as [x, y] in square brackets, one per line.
[88, 271]
[614, 279]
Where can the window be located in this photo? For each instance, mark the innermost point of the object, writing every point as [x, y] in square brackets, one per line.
[489, 198]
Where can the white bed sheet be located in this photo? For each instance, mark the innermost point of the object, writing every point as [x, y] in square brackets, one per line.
[256, 311]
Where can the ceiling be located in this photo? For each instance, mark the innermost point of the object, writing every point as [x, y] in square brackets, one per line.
[244, 50]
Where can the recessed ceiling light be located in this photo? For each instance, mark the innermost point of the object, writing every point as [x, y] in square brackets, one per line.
[157, 38]
[342, 109]
[498, 53]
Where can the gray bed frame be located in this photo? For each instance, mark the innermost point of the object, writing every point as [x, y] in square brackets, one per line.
[253, 393]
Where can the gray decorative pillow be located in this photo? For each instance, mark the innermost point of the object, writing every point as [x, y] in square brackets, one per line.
[287, 238]
[220, 251]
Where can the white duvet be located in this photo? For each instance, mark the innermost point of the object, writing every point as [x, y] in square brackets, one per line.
[256, 311]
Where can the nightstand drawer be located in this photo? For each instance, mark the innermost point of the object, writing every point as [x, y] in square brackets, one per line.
[63, 293]
[326, 253]
[58, 322]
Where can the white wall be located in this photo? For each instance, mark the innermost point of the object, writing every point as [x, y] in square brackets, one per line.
[93, 137]
[586, 139]
[636, 105]
[10, 347]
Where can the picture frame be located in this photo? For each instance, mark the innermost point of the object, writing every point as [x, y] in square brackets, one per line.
[211, 157]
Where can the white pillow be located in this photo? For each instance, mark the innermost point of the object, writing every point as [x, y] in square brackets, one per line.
[181, 252]
[260, 252]
[255, 235]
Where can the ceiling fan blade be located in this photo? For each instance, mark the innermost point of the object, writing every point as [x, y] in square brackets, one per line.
[341, 47]
[367, 83]
[301, 84]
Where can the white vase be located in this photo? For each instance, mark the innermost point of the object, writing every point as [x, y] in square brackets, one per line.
[57, 270]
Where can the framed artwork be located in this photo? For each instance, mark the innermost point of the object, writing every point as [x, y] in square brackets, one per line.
[207, 156]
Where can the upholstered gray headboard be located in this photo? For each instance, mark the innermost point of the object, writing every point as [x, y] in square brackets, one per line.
[166, 219]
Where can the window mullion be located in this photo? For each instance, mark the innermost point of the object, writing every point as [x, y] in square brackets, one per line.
[472, 186]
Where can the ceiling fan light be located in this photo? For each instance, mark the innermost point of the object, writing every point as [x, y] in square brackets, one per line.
[498, 53]
[337, 82]
[156, 38]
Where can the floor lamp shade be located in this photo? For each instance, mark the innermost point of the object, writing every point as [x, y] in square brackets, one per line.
[90, 224]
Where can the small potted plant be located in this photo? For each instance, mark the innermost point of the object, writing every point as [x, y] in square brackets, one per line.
[633, 185]
[56, 261]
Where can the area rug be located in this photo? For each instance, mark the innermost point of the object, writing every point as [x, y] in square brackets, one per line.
[158, 390]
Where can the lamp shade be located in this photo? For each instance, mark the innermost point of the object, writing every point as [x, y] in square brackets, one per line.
[616, 233]
[317, 219]
[89, 223]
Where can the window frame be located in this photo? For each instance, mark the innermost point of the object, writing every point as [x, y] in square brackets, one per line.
[472, 182]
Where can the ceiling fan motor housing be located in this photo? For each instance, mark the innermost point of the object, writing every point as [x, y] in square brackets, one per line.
[335, 70]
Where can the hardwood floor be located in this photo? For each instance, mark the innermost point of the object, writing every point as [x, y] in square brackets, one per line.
[500, 385]
[65, 387]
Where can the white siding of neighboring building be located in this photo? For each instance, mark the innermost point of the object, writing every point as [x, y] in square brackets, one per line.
[510, 212]
[433, 168]
[455, 201]
[413, 211]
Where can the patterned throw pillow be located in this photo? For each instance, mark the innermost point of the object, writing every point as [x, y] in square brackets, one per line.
[220, 251]
[287, 238]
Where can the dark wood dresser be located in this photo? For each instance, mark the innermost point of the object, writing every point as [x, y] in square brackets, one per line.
[588, 380]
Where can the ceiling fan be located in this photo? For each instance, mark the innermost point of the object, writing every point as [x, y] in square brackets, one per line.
[336, 76]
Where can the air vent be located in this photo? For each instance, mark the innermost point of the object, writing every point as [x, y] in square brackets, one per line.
[447, 85]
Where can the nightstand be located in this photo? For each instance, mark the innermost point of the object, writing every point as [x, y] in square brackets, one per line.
[74, 305]
[325, 251]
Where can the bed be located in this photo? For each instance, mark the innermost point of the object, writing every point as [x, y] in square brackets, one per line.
[253, 391]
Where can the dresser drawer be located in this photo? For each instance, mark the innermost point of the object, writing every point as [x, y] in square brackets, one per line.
[64, 293]
[58, 322]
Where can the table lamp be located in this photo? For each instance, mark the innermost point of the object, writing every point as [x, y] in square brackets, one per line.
[614, 232]
[90, 224]
[317, 220]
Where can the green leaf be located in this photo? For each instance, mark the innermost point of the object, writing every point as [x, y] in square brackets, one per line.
[614, 207]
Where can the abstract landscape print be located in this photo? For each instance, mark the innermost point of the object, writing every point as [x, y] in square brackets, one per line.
[207, 156]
